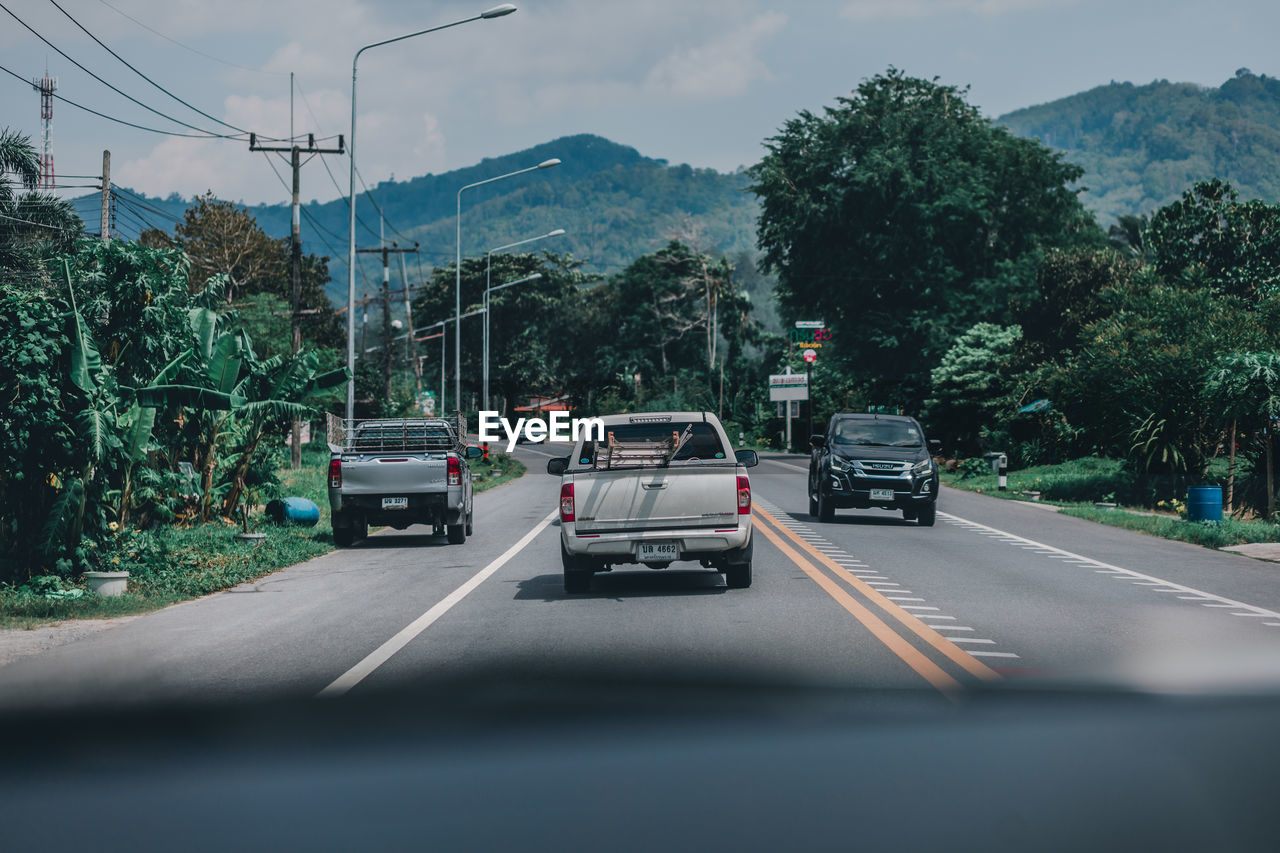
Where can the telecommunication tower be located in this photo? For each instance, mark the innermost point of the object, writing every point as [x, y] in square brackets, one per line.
[46, 85]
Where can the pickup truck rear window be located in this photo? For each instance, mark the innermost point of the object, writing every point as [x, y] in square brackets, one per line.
[702, 444]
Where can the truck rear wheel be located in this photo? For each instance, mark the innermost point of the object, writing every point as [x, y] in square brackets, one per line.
[343, 537]
[457, 533]
[577, 572]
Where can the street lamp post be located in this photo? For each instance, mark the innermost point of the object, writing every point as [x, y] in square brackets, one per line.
[485, 309]
[488, 270]
[495, 12]
[457, 296]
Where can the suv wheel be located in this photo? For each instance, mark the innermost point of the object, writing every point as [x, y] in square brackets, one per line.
[926, 515]
[457, 533]
[826, 510]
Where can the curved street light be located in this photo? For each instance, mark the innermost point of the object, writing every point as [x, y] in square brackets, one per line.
[457, 295]
[496, 12]
[488, 270]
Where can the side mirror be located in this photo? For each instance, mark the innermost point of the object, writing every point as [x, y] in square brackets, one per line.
[557, 466]
[818, 440]
[747, 457]
[935, 447]
[474, 452]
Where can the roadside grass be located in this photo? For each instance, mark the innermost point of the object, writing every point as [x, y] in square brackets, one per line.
[502, 468]
[170, 564]
[1075, 486]
[1087, 479]
[1229, 531]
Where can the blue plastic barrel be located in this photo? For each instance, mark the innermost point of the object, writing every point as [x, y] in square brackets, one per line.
[1204, 503]
[293, 511]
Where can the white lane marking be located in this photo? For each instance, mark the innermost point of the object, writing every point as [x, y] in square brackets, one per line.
[952, 628]
[979, 654]
[972, 640]
[934, 616]
[1228, 602]
[1274, 624]
[1258, 615]
[902, 598]
[919, 607]
[383, 653]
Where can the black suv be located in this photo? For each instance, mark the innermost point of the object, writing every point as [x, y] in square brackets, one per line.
[866, 461]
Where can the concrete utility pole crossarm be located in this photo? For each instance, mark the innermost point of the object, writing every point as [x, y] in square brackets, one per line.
[496, 12]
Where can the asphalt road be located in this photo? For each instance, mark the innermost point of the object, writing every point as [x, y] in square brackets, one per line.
[996, 592]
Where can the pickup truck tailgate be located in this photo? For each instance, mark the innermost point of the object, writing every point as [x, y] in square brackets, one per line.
[676, 497]
[394, 474]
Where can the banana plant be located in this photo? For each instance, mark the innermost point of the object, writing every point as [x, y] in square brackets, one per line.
[277, 389]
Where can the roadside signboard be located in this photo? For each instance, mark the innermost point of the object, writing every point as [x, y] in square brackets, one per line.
[811, 324]
[788, 386]
[810, 356]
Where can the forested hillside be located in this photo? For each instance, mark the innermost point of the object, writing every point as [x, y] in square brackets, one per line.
[614, 204]
[1142, 146]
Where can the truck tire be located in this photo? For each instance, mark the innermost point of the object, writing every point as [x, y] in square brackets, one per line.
[471, 522]
[577, 572]
[737, 571]
[813, 505]
[457, 533]
[926, 515]
[343, 537]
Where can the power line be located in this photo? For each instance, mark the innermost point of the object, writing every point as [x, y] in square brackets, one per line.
[41, 224]
[201, 135]
[131, 67]
[64, 55]
[184, 46]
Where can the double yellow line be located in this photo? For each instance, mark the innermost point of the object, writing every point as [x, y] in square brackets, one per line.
[894, 637]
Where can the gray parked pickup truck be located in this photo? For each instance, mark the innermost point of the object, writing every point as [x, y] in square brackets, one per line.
[399, 472]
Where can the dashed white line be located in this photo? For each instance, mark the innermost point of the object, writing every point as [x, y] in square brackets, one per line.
[1223, 600]
[979, 654]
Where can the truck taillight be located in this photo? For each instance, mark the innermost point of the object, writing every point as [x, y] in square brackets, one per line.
[744, 496]
[335, 473]
[455, 472]
[566, 502]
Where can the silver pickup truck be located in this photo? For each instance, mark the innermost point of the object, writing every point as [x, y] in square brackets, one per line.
[398, 472]
[661, 487]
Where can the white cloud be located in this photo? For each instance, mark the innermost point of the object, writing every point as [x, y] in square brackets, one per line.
[724, 66]
[886, 10]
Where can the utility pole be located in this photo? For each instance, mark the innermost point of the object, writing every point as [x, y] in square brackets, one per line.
[411, 346]
[386, 252]
[295, 260]
[105, 226]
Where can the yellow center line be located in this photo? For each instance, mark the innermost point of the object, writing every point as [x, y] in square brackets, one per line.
[909, 654]
[971, 664]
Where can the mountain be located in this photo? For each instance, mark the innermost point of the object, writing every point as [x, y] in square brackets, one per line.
[1141, 146]
[613, 203]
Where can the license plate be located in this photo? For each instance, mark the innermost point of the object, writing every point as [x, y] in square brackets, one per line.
[395, 503]
[658, 552]
[882, 494]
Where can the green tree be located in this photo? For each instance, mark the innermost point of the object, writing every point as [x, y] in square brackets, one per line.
[906, 217]
[1210, 238]
[972, 382]
[33, 225]
[1246, 386]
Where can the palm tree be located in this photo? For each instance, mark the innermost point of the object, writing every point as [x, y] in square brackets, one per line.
[33, 225]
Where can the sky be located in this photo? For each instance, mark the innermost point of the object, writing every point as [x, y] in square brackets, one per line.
[703, 83]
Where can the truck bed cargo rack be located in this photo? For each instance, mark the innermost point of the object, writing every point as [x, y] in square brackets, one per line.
[397, 435]
[640, 454]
